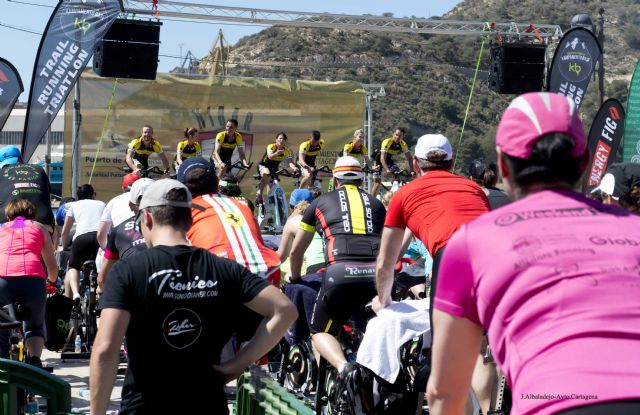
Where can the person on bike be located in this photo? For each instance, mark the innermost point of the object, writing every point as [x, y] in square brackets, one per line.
[277, 154]
[357, 149]
[384, 163]
[227, 226]
[117, 209]
[141, 148]
[25, 181]
[189, 147]
[226, 142]
[177, 306]
[86, 213]
[24, 246]
[125, 238]
[564, 290]
[307, 154]
[485, 175]
[350, 221]
[621, 186]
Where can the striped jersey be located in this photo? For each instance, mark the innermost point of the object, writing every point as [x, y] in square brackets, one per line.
[350, 221]
[228, 229]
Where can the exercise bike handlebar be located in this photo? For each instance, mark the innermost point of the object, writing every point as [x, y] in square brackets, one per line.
[145, 172]
[238, 165]
[8, 319]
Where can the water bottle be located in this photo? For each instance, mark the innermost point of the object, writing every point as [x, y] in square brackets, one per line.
[84, 393]
[78, 344]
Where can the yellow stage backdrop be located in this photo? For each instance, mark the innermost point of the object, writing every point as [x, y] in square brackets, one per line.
[262, 107]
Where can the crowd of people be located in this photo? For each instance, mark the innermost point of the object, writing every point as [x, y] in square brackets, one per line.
[545, 275]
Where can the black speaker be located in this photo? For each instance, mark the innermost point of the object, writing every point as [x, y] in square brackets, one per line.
[129, 49]
[517, 68]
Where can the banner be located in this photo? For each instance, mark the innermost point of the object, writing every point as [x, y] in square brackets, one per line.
[631, 148]
[173, 102]
[574, 63]
[10, 89]
[65, 49]
[604, 139]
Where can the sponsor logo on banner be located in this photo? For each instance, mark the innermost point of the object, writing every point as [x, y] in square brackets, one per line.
[573, 64]
[604, 139]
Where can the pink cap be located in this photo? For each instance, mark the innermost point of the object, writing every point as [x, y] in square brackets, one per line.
[535, 114]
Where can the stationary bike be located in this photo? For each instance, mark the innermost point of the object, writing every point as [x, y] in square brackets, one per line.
[273, 213]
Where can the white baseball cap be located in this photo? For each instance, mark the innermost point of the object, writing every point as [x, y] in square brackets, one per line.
[433, 142]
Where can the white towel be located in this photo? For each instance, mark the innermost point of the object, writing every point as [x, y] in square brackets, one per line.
[387, 332]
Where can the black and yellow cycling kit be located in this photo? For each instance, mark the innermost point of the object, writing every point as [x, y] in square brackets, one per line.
[143, 151]
[227, 145]
[391, 148]
[187, 150]
[311, 151]
[274, 163]
[351, 222]
[358, 152]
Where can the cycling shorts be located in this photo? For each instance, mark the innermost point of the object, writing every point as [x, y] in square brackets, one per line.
[84, 247]
[30, 291]
[377, 175]
[346, 288]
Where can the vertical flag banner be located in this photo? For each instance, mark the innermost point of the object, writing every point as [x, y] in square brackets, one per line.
[631, 148]
[574, 63]
[10, 89]
[65, 49]
[604, 139]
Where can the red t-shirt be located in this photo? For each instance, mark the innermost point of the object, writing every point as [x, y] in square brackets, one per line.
[228, 229]
[434, 206]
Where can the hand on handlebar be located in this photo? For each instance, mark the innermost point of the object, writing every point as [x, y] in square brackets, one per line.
[377, 304]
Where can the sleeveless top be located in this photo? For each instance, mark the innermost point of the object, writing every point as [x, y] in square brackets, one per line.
[21, 243]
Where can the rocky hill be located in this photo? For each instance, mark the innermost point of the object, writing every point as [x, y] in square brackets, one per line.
[427, 77]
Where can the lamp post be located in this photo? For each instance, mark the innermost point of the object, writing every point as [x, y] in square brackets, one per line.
[372, 91]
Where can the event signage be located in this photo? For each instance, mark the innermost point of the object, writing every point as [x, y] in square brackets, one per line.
[574, 63]
[604, 139]
[10, 89]
[631, 148]
[65, 49]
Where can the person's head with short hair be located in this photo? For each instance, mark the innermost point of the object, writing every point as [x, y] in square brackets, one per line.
[483, 173]
[541, 144]
[229, 185]
[315, 135]
[315, 191]
[147, 133]
[433, 152]
[281, 139]
[9, 155]
[299, 195]
[137, 190]
[86, 191]
[621, 186]
[20, 207]
[198, 175]
[358, 136]
[165, 203]
[191, 134]
[348, 171]
[231, 126]
[398, 134]
[128, 180]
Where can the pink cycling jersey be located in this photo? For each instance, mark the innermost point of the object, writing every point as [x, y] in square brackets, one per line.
[555, 278]
[21, 244]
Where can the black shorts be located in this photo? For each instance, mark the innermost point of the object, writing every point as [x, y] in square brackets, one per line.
[83, 248]
[346, 289]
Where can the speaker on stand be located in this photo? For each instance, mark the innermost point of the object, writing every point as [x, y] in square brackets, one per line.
[516, 68]
[129, 49]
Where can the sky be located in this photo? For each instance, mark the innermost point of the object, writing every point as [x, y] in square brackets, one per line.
[23, 21]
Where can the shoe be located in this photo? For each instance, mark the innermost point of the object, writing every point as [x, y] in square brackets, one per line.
[346, 379]
[34, 361]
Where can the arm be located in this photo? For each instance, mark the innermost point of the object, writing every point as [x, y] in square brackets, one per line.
[300, 243]
[301, 160]
[48, 257]
[390, 245]
[105, 357]
[216, 154]
[130, 161]
[383, 161]
[165, 161]
[407, 155]
[107, 264]
[179, 156]
[242, 155]
[278, 314]
[455, 350]
[272, 154]
[367, 160]
[406, 240]
[66, 229]
[103, 232]
[288, 233]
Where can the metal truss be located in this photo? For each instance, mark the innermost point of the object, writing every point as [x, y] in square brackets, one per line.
[197, 11]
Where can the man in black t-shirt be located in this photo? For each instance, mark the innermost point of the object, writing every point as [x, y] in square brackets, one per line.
[125, 239]
[168, 301]
[24, 181]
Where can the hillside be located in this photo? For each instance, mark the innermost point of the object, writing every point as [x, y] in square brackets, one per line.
[427, 77]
